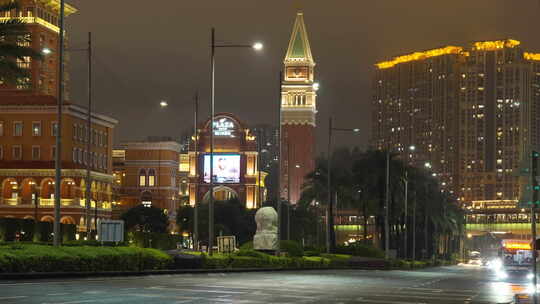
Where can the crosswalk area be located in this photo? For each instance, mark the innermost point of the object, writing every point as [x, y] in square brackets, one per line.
[440, 285]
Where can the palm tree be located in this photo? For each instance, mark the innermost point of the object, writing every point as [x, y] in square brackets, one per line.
[14, 39]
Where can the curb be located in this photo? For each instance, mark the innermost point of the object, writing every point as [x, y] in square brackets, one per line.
[53, 275]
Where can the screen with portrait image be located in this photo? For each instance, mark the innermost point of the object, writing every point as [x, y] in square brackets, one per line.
[226, 168]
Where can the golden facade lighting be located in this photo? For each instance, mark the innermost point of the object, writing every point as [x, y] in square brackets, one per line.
[420, 56]
[495, 45]
[532, 56]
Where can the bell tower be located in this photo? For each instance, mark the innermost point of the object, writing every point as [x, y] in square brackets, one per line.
[299, 108]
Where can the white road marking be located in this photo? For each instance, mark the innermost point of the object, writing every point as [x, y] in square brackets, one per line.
[14, 297]
[382, 301]
[71, 302]
[198, 290]
[58, 294]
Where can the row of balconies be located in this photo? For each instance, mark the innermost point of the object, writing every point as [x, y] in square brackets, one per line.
[49, 202]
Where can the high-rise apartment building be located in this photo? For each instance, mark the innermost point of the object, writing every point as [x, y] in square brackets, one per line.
[472, 112]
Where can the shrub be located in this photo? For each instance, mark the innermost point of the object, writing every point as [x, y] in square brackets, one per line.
[247, 246]
[43, 258]
[163, 241]
[215, 261]
[337, 260]
[293, 248]
[360, 250]
[252, 253]
[187, 261]
[14, 229]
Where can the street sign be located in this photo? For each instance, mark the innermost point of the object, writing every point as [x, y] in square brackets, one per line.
[226, 244]
[110, 230]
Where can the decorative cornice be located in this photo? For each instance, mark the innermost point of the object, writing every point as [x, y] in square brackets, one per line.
[148, 145]
[51, 172]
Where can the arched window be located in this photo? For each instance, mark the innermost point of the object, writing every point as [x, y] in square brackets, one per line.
[142, 178]
[151, 177]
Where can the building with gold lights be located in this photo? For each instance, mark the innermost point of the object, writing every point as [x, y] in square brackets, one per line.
[236, 163]
[473, 113]
[28, 129]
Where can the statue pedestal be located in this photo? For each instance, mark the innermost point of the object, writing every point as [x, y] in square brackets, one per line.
[265, 241]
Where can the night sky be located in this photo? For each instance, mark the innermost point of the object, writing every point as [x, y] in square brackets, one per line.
[145, 53]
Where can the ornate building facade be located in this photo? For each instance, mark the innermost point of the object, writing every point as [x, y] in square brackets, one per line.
[236, 167]
[299, 109]
[28, 129]
[146, 172]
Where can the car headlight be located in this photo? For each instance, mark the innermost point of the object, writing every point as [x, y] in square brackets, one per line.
[502, 275]
[495, 264]
[530, 276]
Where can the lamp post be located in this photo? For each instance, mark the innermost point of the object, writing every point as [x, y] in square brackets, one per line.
[196, 207]
[47, 51]
[58, 156]
[256, 46]
[330, 235]
[406, 184]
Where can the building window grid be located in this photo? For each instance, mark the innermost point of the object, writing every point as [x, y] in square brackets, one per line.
[17, 152]
[36, 153]
[17, 128]
[36, 128]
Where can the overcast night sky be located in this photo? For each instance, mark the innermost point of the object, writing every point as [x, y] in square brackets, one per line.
[146, 53]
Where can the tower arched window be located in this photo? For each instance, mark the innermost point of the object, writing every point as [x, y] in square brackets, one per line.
[151, 178]
[142, 178]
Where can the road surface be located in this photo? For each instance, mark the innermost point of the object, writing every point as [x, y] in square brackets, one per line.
[454, 284]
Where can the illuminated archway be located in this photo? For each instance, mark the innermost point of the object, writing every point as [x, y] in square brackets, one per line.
[28, 187]
[68, 188]
[10, 188]
[221, 193]
[47, 188]
[67, 220]
[47, 218]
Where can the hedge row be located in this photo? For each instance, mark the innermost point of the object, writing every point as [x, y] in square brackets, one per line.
[43, 258]
[254, 259]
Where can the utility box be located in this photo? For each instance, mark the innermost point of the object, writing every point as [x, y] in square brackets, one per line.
[110, 231]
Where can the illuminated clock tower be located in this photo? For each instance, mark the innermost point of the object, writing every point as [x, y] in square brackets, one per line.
[298, 106]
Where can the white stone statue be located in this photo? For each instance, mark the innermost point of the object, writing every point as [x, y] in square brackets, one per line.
[266, 237]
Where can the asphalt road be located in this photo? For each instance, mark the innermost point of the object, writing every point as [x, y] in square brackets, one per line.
[455, 284]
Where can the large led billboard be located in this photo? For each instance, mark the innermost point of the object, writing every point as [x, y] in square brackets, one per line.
[226, 168]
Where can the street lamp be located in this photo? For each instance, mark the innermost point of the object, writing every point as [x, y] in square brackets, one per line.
[256, 46]
[330, 235]
[163, 103]
[406, 183]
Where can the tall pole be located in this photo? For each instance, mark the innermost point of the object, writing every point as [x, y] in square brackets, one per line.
[533, 228]
[278, 197]
[329, 213]
[406, 182]
[386, 207]
[196, 209]
[289, 173]
[535, 184]
[58, 156]
[414, 228]
[88, 196]
[259, 169]
[211, 201]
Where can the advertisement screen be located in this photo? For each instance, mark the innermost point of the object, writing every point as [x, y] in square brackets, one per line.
[226, 168]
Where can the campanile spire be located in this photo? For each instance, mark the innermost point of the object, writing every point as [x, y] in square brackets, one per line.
[299, 109]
